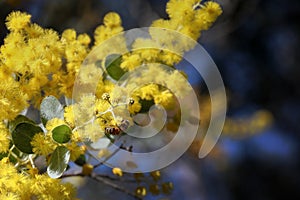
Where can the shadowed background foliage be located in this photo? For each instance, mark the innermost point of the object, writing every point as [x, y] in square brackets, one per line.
[255, 45]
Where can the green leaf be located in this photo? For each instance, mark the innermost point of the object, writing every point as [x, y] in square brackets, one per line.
[81, 160]
[51, 108]
[58, 162]
[146, 105]
[62, 134]
[112, 65]
[19, 119]
[22, 136]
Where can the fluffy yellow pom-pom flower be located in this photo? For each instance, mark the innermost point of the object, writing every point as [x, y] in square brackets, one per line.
[17, 20]
[117, 171]
[4, 141]
[42, 144]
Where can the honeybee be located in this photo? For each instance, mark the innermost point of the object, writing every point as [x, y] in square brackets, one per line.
[116, 130]
[112, 130]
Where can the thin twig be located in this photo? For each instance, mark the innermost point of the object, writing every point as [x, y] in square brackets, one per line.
[100, 175]
[102, 178]
[116, 178]
[84, 124]
[108, 157]
[72, 175]
[31, 161]
[91, 155]
[115, 186]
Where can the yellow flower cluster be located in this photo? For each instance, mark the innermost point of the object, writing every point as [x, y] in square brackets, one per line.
[111, 27]
[4, 138]
[36, 62]
[159, 84]
[244, 127]
[16, 21]
[69, 116]
[31, 59]
[43, 144]
[236, 127]
[29, 55]
[135, 106]
[34, 55]
[76, 49]
[17, 186]
[12, 99]
[188, 17]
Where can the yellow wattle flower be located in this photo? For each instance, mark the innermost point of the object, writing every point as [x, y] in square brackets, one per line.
[17, 20]
[117, 171]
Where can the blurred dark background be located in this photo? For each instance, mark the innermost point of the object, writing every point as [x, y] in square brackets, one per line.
[256, 46]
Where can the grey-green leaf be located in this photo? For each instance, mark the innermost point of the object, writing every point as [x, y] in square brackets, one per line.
[112, 65]
[62, 134]
[58, 162]
[19, 119]
[51, 108]
[23, 134]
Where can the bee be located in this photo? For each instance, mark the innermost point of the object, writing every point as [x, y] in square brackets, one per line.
[113, 130]
[116, 130]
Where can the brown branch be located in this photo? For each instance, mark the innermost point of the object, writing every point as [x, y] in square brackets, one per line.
[108, 157]
[115, 186]
[103, 179]
[116, 178]
[72, 175]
